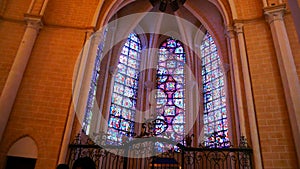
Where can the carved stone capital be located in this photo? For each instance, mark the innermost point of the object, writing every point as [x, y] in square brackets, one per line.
[238, 28]
[274, 13]
[226, 67]
[112, 70]
[33, 21]
[230, 32]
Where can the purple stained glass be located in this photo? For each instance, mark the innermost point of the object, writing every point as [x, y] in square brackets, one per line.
[215, 119]
[124, 96]
[170, 85]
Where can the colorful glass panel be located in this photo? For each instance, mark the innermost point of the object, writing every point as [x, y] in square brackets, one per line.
[93, 86]
[124, 96]
[215, 119]
[170, 89]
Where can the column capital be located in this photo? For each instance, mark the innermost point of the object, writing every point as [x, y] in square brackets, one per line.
[238, 27]
[90, 31]
[33, 21]
[273, 13]
[229, 33]
[226, 67]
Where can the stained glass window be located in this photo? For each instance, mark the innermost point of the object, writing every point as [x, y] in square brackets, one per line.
[170, 89]
[124, 95]
[93, 86]
[215, 119]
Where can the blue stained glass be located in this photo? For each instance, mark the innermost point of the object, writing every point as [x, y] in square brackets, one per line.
[161, 102]
[112, 134]
[161, 94]
[171, 43]
[125, 50]
[123, 59]
[127, 43]
[163, 57]
[171, 64]
[118, 88]
[133, 63]
[170, 85]
[169, 110]
[215, 119]
[162, 71]
[93, 86]
[129, 92]
[161, 74]
[122, 68]
[133, 54]
[132, 72]
[179, 50]
[180, 57]
[134, 37]
[115, 110]
[127, 103]
[124, 96]
[134, 46]
[117, 99]
[125, 125]
[120, 78]
[179, 103]
[131, 82]
[126, 113]
[114, 122]
[178, 94]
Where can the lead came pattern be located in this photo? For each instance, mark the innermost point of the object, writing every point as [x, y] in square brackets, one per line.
[215, 119]
[93, 86]
[170, 90]
[124, 96]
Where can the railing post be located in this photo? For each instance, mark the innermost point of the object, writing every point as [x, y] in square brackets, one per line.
[126, 150]
[182, 157]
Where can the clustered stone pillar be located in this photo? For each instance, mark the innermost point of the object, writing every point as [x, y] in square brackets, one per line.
[237, 83]
[249, 96]
[274, 16]
[15, 75]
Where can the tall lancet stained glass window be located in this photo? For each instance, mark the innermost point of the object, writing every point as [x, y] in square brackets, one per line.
[124, 95]
[215, 119]
[170, 90]
[93, 86]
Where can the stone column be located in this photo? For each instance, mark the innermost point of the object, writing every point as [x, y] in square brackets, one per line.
[274, 16]
[249, 96]
[74, 106]
[15, 75]
[237, 90]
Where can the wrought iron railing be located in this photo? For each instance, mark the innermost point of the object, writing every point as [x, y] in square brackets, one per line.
[141, 154]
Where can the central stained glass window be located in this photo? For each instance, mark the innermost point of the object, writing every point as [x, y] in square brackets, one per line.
[170, 90]
[124, 95]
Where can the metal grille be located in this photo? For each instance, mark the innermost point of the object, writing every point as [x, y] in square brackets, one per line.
[146, 157]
